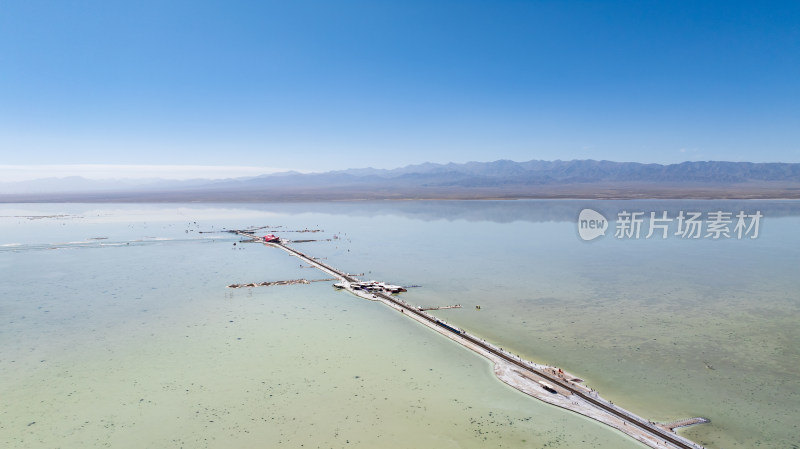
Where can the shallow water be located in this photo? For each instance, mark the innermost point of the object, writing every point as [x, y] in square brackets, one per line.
[134, 341]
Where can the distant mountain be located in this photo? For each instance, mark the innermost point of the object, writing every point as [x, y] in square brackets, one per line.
[498, 179]
[507, 172]
[504, 174]
[538, 172]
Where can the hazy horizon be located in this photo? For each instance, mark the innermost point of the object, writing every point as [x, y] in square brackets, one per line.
[143, 172]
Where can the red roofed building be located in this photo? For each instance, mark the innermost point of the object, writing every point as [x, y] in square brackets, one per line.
[270, 238]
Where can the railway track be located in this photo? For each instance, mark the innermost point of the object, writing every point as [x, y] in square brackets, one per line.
[651, 429]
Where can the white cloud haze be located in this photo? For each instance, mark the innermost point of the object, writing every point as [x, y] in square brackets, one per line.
[16, 173]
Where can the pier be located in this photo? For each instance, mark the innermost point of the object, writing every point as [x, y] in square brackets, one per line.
[422, 309]
[684, 423]
[288, 282]
[546, 383]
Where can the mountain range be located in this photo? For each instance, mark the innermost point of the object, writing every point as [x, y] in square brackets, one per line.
[473, 180]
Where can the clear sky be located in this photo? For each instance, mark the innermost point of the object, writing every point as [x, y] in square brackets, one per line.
[321, 85]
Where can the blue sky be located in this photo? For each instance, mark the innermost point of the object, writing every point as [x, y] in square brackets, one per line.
[319, 85]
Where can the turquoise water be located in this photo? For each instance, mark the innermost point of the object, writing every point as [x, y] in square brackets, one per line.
[118, 329]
